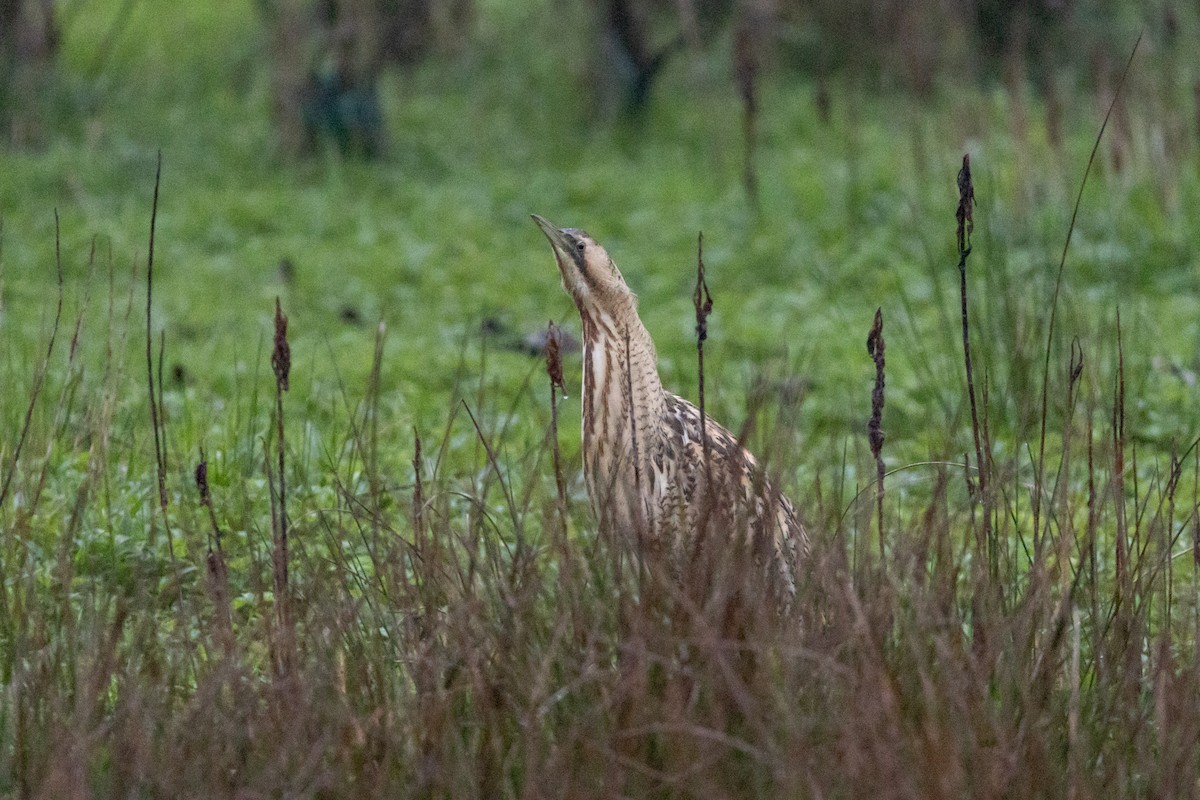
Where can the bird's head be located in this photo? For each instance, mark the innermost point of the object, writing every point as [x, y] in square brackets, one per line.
[588, 274]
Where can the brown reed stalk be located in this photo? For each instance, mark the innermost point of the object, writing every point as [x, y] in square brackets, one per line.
[875, 437]
[281, 365]
[966, 225]
[703, 303]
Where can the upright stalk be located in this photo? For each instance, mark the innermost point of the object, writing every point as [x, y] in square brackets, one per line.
[966, 224]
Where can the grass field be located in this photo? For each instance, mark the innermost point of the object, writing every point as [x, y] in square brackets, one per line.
[453, 628]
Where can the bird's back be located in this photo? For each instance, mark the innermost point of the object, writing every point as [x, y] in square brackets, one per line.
[740, 499]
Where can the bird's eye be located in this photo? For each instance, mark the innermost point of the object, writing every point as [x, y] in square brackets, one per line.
[581, 245]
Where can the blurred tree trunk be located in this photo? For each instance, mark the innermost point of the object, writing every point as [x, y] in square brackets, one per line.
[636, 38]
[29, 39]
[289, 34]
[751, 42]
[328, 57]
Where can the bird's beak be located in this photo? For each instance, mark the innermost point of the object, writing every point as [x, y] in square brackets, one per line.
[558, 239]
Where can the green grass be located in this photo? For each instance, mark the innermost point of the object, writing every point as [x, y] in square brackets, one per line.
[443, 658]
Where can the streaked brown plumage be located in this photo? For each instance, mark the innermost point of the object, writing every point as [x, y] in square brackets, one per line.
[643, 456]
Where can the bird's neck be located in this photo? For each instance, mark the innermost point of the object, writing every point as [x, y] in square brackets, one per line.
[623, 399]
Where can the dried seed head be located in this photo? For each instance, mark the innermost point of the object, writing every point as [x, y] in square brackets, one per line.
[875, 347]
[701, 298]
[202, 480]
[966, 204]
[875, 337]
[553, 356]
[1076, 368]
[281, 358]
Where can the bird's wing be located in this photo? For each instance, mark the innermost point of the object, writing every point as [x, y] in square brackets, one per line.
[741, 492]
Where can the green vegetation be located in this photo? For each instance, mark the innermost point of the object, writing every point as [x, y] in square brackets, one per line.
[485, 642]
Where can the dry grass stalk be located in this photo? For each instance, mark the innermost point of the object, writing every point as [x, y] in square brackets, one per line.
[157, 423]
[159, 457]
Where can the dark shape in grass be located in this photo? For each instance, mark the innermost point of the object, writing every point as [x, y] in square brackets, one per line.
[344, 107]
[350, 315]
[824, 101]
[492, 326]
[531, 344]
[286, 271]
[537, 342]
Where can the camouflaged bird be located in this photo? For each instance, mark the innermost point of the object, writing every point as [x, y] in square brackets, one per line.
[643, 455]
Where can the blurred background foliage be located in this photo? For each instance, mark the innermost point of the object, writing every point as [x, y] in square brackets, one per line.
[327, 60]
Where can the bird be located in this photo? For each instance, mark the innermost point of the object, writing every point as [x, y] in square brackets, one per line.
[644, 460]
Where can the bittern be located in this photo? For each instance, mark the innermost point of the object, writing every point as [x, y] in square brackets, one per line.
[644, 459]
